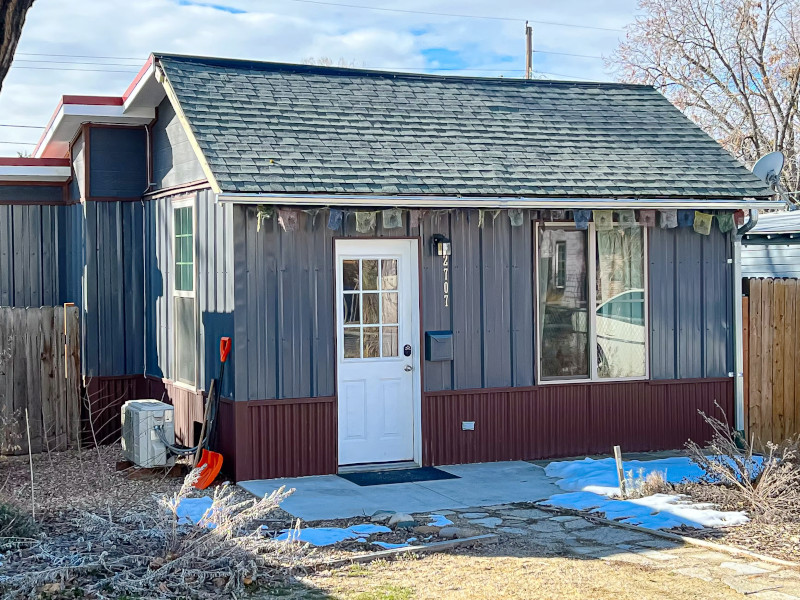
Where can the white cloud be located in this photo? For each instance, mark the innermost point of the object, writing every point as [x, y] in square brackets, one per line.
[285, 30]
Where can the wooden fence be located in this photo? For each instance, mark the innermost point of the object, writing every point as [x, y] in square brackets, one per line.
[40, 372]
[771, 354]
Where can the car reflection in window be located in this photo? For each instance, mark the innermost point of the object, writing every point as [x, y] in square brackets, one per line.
[621, 335]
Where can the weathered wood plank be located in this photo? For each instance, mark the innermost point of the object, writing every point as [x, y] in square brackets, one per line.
[73, 383]
[767, 296]
[33, 376]
[789, 327]
[8, 422]
[50, 395]
[778, 344]
[755, 355]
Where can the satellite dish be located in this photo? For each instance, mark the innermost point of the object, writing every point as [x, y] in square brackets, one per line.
[768, 168]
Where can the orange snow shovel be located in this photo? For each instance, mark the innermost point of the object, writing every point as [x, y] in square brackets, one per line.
[212, 461]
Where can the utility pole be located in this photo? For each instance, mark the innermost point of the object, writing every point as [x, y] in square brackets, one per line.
[528, 51]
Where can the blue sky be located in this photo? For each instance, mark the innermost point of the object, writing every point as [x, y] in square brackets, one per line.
[96, 47]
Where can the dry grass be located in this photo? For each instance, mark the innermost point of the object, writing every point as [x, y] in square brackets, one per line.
[153, 552]
[497, 577]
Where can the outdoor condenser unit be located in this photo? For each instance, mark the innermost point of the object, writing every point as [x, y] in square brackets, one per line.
[141, 443]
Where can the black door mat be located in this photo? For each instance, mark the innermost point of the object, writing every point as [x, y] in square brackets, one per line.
[397, 476]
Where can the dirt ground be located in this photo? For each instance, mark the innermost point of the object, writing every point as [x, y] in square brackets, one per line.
[493, 576]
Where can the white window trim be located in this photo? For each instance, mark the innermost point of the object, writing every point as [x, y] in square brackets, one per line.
[592, 306]
[177, 204]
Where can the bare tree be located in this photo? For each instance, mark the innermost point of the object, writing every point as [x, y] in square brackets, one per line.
[733, 66]
[12, 18]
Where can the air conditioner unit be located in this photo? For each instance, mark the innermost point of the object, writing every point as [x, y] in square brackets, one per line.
[141, 443]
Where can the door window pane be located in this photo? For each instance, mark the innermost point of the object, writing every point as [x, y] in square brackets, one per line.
[371, 346]
[563, 309]
[352, 342]
[620, 303]
[389, 274]
[389, 308]
[370, 302]
[390, 341]
[369, 274]
[350, 277]
[352, 308]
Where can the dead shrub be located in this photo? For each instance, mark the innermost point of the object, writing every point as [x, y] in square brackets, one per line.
[768, 484]
[643, 485]
[156, 553]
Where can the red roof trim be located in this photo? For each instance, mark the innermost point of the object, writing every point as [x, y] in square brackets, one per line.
[93, 100]
[138, 78]
[6, 161]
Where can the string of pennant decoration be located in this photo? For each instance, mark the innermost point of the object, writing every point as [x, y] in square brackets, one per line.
[603, 220]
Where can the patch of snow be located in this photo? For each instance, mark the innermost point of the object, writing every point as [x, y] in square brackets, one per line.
[327, 536]
[388, 546]
[192, 510]
[439, 521]
[591, 484]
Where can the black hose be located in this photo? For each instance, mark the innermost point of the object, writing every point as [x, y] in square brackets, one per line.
[179, 450]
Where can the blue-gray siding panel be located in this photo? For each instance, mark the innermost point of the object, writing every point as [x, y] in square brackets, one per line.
[285, 319]
[690, 304]
[213, 292]
[22, 194]
[174, 159]
[117, 162]
[31, 249]
[771, 261]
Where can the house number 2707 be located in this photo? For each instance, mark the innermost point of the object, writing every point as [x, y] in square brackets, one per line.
[446, 282]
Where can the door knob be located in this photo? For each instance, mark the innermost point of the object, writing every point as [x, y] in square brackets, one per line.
[408, 368]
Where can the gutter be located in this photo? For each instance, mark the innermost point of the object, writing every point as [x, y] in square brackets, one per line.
[495, 202]
[738, 323]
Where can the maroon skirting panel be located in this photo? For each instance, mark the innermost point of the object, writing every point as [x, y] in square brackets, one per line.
[106, 395]
[264, 439]
[551, 421]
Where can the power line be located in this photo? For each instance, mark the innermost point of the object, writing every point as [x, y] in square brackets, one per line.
[20, 143]
[458, 15]
[79, 56]
[23, 126]
[567, 54]
[74, 62]
[84, 70]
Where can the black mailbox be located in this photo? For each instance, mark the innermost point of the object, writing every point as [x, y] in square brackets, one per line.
[438, 345]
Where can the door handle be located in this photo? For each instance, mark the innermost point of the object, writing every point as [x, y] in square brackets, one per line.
[408, 368]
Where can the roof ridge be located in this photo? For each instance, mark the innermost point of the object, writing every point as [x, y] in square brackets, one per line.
[263, 65]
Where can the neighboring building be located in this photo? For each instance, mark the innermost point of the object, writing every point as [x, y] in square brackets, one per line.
[772, 247]
[472, 321]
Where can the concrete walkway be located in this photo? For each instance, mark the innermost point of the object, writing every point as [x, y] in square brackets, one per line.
[327, 497]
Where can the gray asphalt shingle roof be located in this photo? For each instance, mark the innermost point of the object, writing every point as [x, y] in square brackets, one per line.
[267, 127]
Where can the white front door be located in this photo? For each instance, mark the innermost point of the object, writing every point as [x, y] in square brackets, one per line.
[377, 308]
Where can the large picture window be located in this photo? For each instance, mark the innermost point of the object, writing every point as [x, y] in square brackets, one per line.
[185, 322]
[591, 293]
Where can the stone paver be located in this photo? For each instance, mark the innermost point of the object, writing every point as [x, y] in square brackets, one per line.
[570, 534]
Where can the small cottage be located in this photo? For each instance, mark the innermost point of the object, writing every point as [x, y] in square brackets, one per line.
[414, 269]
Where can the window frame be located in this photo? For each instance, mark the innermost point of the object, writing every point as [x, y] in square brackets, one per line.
[175, 206]
[591, 269]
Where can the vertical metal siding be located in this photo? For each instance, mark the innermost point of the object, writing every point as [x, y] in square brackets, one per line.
[690, 304]
[568, 420]
[31, 243]
[117, 161]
